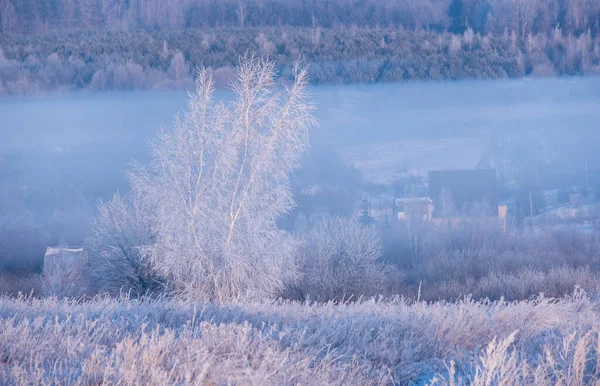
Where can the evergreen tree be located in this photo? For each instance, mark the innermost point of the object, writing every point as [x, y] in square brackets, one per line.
[365, 214]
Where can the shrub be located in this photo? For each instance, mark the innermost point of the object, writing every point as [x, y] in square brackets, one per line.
[63, 278]
[340, 260]
[15, 284]
[116, 258]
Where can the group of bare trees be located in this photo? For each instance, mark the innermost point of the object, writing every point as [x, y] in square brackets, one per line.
[483, 16]
[527, 16]
[394, 41]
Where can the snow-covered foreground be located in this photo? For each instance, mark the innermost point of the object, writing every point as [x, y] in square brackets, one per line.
[107, 341]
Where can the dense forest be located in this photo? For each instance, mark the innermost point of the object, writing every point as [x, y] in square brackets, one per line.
[53, 45]
[167, 58]
[483, 16]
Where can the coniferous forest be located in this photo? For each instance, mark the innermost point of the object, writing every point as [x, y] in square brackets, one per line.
[57, 45]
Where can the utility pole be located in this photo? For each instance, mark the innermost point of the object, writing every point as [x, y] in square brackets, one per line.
[531, 209]
[530, 204]
[444, 202]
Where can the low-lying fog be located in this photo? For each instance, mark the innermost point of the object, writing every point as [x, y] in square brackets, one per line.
[59, 154]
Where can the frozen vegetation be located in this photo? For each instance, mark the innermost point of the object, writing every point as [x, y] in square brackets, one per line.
[201, 271]
[120, 341]
[235, 250]
[166, 59]
[57, 45]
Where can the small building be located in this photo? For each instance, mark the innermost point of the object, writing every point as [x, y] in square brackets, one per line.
[62, 257]
[382, 214]
[414, 208]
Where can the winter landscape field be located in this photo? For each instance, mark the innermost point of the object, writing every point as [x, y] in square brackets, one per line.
[274, 192]
[105, 341]
[462, 305]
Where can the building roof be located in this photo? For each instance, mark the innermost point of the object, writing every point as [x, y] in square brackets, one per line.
[53, 251]
[465, 187]
[415, 200]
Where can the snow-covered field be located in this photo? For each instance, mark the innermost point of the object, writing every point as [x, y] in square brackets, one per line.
[87, 140]
[104, 341]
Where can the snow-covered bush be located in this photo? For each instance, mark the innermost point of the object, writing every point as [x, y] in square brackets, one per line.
[339, 260]
[64, 279]
[123, 228]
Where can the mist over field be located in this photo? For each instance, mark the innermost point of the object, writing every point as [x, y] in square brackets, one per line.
[88, 139]
[62, 153]
[276, 192]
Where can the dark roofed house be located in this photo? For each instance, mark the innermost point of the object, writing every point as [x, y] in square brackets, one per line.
[460, 190]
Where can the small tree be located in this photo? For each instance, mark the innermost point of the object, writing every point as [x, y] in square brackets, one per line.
[178, 69]
[365, 213]
[8, 17]
[340, 259]
[217, 183]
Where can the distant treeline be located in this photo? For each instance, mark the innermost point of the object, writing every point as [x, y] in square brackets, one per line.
[136, 59]
[456, 16]
[50, 45]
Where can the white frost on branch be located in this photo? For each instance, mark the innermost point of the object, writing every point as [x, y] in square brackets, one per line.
[340, 260]
[123, 228]
[218, 181]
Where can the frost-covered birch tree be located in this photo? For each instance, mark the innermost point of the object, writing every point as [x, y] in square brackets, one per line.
[218, 181]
